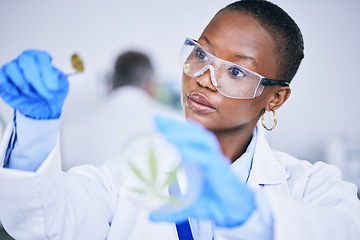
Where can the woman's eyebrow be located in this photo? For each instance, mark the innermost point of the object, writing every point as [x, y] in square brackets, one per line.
[236, 57]
[247, 58]
[207, 41]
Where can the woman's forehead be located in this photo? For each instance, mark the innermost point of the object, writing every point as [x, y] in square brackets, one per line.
[235, 36]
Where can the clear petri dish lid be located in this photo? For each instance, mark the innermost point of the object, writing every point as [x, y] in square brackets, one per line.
[150, 171]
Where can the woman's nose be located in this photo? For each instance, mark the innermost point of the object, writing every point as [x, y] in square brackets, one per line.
[204, 80]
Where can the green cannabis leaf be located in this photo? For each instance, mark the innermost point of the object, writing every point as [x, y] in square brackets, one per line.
[152, 164]
[138, 173]
[153, 186]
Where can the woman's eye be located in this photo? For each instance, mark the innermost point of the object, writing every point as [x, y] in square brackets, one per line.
[201, 54]
[236, 72]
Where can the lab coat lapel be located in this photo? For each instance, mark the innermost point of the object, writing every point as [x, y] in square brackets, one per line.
[267, 170]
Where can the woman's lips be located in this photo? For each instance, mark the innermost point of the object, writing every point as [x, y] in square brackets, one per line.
[199, 103]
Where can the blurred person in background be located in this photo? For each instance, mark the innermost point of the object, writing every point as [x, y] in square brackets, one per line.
[124, 114]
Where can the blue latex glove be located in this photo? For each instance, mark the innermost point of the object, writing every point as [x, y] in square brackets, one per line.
[33, 86]
[223, 198]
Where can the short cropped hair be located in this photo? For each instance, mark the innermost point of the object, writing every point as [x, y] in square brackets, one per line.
[288, 40]
[132, 68]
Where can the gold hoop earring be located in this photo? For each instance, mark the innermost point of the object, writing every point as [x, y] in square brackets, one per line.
[263, 121]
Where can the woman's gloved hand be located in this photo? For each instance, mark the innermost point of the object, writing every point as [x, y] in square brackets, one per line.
[33, 86]
[223, 199]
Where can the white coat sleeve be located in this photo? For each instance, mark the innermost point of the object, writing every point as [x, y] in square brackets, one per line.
[322, 206]
[51, 204]
[34, 141]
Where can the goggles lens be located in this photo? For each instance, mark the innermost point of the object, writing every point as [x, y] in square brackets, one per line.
[230, 79]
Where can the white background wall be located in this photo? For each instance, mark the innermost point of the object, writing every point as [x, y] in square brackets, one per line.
[325, 93]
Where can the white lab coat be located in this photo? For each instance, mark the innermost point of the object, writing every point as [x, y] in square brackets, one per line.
[307, 201]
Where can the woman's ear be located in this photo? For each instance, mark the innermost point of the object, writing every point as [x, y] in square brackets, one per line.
[279, 98]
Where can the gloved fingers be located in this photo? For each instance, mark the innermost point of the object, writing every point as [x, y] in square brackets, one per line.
[3, 80]
[223, 205]
[191, 132]
[227, 211]
[41, 55]
[2, 76]
[49, 74]
[228, 188]
[163, 215]
[171, 126]
[31, 66]
[31, 73]
[53, 78]
[62, 85]
[7, 88]
[199, 152]
[203, 157]
[193, 141]
[33, 86]
[9, 92]
[204, 208]
[16, 83]
[235, 200]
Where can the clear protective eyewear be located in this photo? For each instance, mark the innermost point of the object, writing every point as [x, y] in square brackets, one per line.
[230, 79]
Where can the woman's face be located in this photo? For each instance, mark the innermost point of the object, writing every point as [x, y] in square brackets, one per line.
[240, 39]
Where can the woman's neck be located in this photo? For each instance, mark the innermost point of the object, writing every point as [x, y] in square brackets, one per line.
[234, 144]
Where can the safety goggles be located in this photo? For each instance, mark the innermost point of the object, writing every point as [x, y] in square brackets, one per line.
[230, 79]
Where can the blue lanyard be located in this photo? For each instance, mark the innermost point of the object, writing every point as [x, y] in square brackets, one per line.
[183, 228]
[184, 231]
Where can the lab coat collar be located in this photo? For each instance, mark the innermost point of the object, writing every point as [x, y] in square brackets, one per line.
[266, 168]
